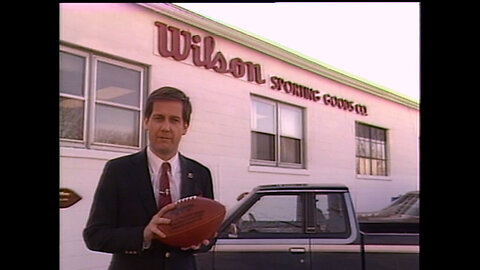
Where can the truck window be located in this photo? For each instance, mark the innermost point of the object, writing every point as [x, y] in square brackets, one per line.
[330, 213]
[273, 214]
[414, 209]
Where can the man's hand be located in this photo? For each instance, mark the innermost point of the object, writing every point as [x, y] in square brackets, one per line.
[198, 246]
[151, 230]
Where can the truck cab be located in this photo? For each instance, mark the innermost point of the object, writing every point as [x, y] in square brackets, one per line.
[303, 226]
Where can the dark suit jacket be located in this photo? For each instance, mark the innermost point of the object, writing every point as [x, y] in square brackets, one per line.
[123, 205]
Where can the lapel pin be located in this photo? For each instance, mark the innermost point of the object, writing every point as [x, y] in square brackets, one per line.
[190, 175]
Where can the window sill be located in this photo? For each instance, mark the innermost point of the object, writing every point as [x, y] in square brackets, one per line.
[277, 170]
[373, 177]
[72, 152]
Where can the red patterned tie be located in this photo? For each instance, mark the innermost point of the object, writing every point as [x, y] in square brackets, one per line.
[164, 197]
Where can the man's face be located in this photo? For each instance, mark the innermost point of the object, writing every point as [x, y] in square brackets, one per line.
[165, 128]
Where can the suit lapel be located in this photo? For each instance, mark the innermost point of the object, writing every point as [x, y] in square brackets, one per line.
[144, 186]
[187, 184]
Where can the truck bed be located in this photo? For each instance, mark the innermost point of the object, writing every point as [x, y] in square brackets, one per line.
[390, 227]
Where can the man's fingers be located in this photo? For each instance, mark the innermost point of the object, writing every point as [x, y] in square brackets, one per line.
[166, 208]
[198, 246]
[158, 232]
[153, 226]
[193, 247]
[161, 220]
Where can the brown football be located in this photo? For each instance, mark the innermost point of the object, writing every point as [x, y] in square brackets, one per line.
[193, 220]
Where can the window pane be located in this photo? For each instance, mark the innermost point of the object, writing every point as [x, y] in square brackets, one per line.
[116, 126]
[71, 118]
[382, 168]
[291, 122]
[263, 146]
[357, 162]
[290, 150]
[360, 148]
[380, 151]
[363, 166]
[363, 148]
[118, 84]
[374, 167]
[378, 134]
[362, 131]
[72, 74]
[263, 118]
[375, 150]
[378, 167]
[273, 214]
[330, 213]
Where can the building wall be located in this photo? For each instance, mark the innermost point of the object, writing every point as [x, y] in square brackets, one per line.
[219, 134]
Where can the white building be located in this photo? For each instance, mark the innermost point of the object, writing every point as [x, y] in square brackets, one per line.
[261, 114]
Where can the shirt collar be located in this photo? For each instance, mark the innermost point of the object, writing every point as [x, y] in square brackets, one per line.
[155, 162]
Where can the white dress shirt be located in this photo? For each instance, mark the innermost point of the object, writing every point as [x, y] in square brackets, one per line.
[175, 176]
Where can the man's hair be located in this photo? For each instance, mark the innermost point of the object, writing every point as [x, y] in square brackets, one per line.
[169, 93]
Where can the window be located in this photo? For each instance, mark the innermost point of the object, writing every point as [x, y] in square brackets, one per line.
[72, 96]
[330, 214]
[278, 214]
[100, 101]
[277, 134]
[371, 154]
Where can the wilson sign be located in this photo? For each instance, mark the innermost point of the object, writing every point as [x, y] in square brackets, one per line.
[180, 44]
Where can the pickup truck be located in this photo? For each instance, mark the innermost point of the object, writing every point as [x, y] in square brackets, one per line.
[304, 226]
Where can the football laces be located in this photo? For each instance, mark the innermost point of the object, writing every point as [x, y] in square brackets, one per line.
[186, 199]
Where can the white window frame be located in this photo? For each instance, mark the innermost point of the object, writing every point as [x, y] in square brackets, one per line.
[90, 102]
[85, 98]
[94, 101]
[386, 154]
[277, 162]
[279, 123]
[262, 162]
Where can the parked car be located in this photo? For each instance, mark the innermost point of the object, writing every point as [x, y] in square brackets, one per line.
[304, 227]
[402, 215]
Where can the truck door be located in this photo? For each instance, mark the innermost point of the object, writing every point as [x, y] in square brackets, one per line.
[269, 234]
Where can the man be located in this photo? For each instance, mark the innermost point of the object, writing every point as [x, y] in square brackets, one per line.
[134, 191]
